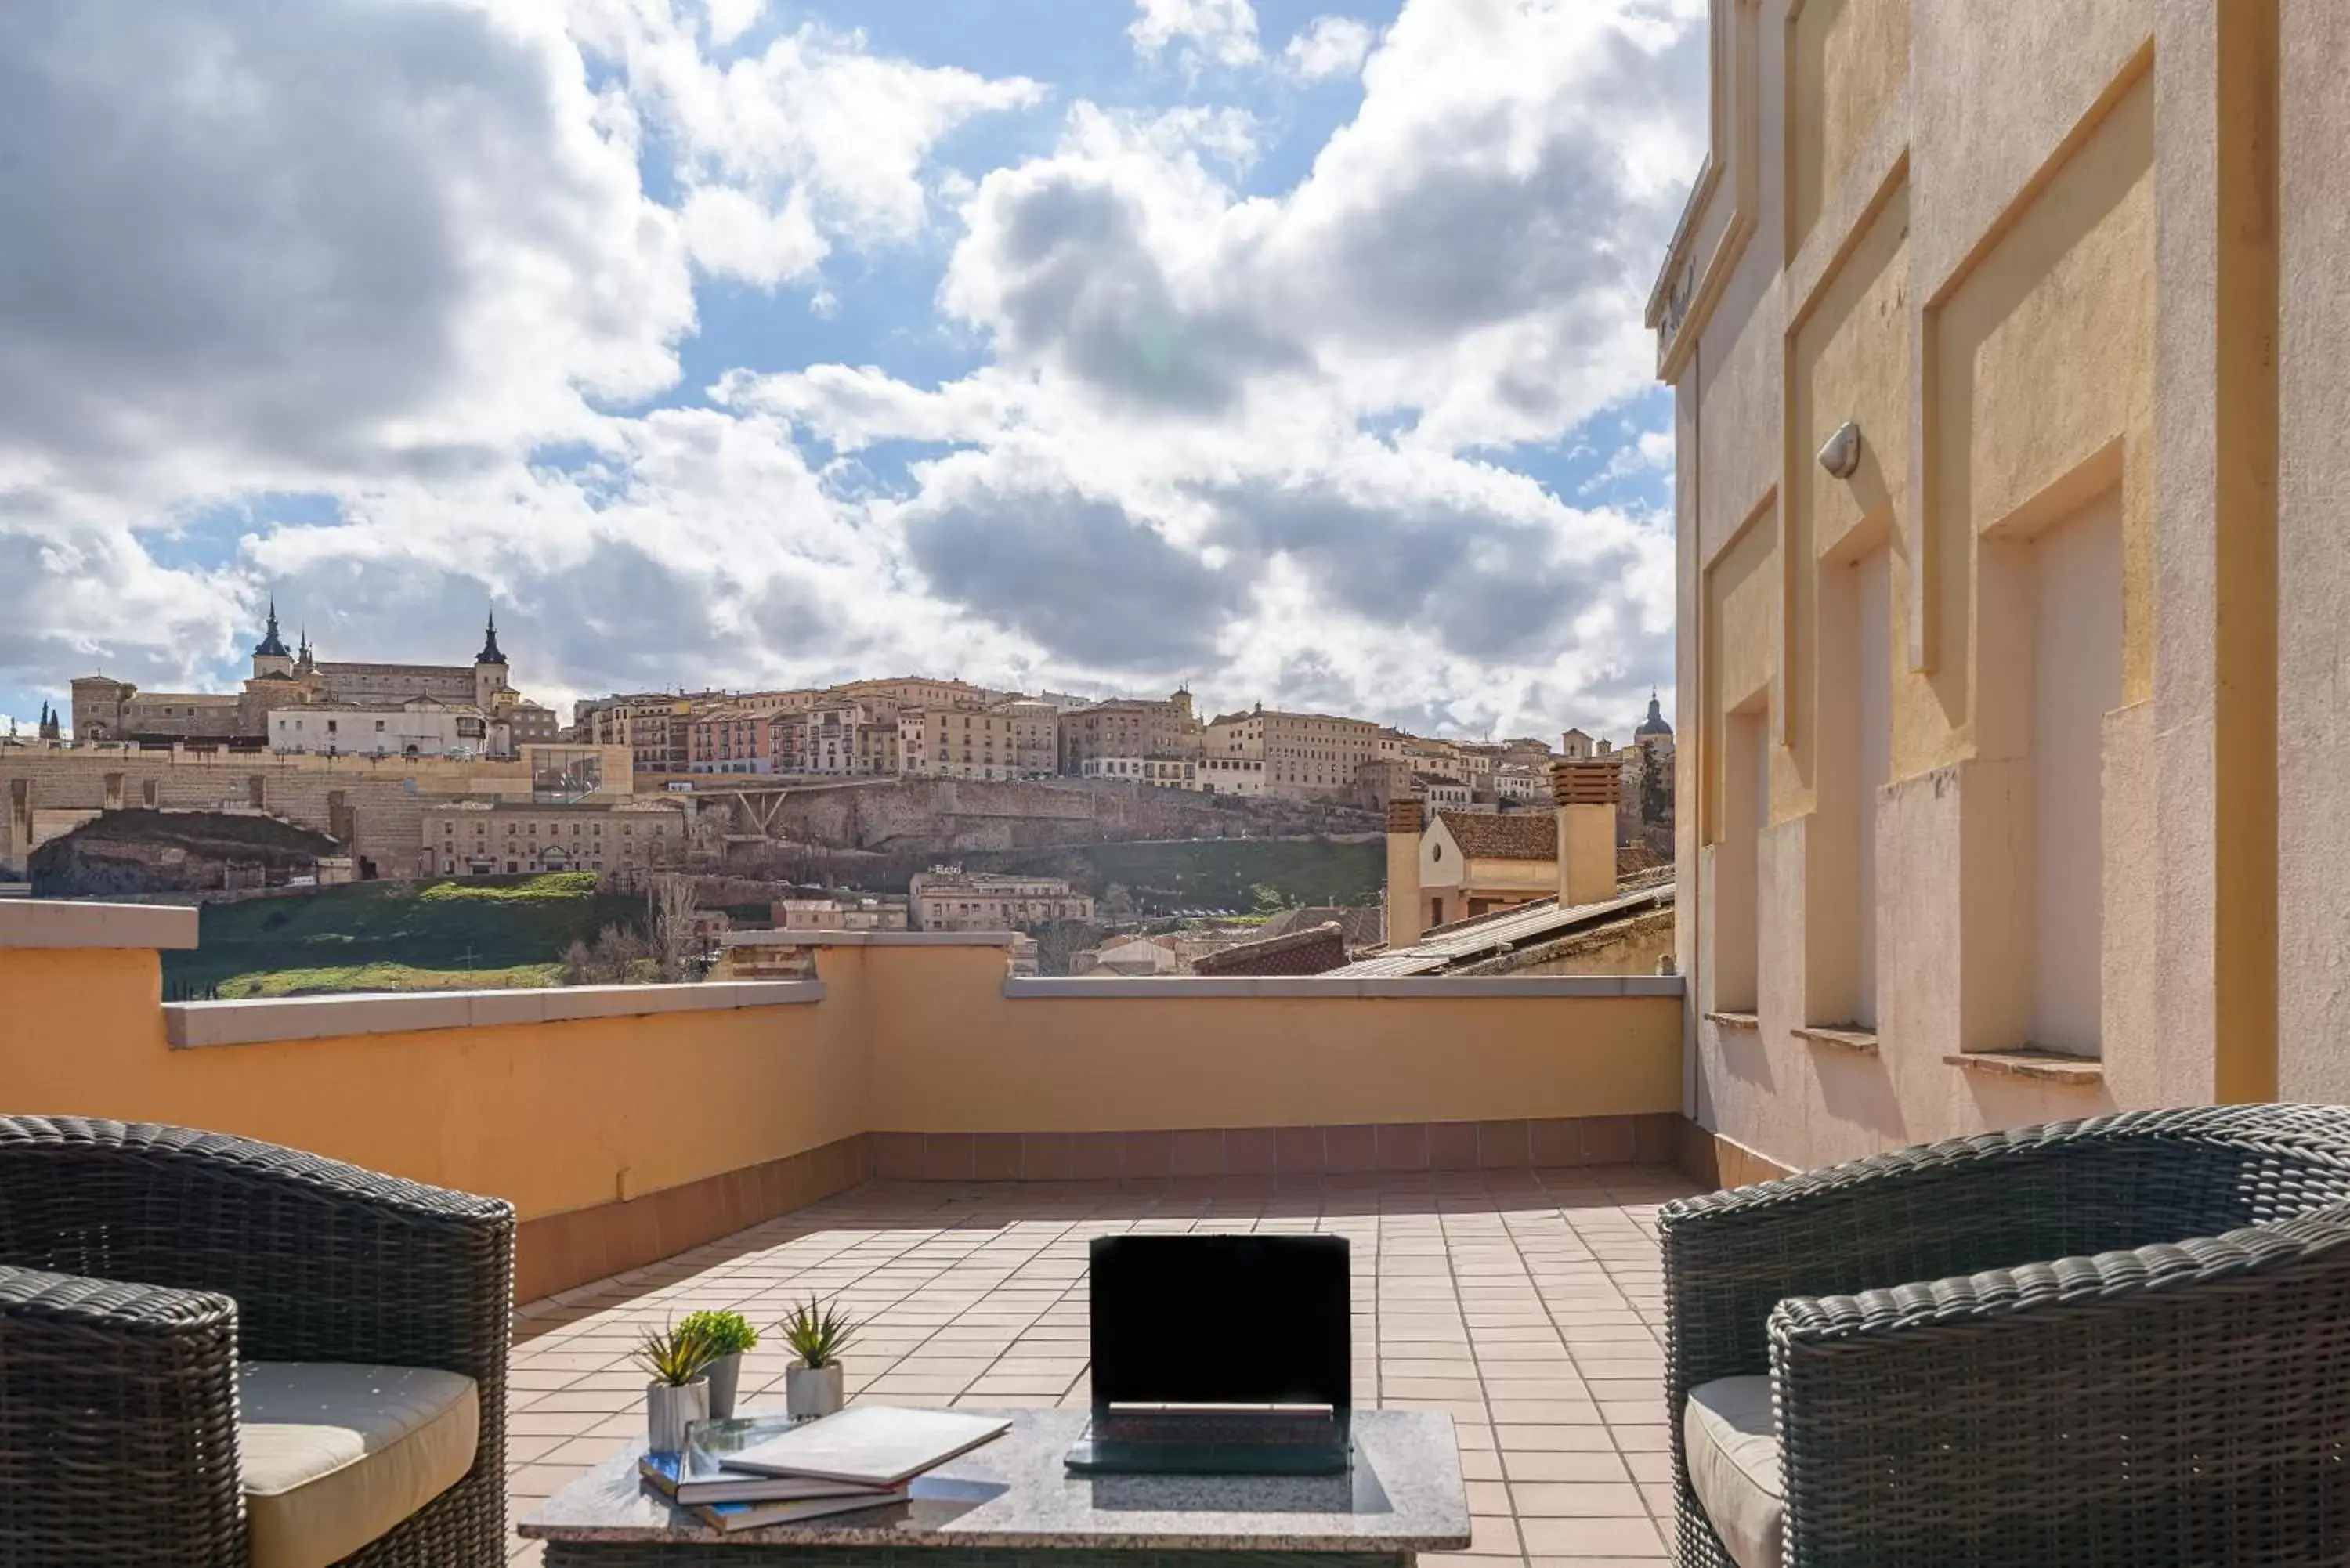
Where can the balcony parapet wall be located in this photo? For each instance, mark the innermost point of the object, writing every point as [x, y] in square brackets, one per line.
[628, 1123]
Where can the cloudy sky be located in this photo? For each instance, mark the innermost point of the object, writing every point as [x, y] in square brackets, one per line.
[1290, 347]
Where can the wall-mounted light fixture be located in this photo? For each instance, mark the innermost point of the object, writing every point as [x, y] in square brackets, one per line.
[1840, 455]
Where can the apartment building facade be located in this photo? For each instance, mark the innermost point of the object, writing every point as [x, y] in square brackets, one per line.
[958, 743]
[2012, 763]
[1129, 727]
[848, 738]
[729, 740]
[1035, 736]
[1311, 754]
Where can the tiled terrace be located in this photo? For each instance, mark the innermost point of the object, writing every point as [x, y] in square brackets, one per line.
[1523, 1301]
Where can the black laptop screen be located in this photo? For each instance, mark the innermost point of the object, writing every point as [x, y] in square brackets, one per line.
[1221, 1320]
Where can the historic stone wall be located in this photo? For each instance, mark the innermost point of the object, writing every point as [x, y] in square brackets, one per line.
[376, 814]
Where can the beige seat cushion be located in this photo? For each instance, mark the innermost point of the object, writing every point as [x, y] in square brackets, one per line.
[1731, 1444]
[334, 1455]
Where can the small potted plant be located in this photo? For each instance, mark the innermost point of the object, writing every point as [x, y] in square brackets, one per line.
[729, 1335]
[678, 1395]
[817, 1334]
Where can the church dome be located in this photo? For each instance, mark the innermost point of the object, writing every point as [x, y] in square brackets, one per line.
[1653, 727]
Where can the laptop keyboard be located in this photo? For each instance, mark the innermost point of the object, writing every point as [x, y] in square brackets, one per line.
[1257, 1430]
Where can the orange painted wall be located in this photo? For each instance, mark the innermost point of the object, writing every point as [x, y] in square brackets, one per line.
[562, 1116]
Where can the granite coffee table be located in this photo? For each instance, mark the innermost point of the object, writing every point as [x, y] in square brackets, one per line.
[1010, 1502]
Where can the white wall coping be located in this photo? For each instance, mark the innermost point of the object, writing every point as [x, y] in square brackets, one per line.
[74, 923]
[1432, 986]
[192, 1025]
[865, 938]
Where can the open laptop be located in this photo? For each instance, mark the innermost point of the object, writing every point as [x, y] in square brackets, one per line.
[1219, 1355]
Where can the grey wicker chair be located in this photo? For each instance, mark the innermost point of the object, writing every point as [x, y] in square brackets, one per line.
[2117, 1341]
[137, 1263]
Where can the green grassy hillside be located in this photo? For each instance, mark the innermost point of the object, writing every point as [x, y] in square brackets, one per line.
[400, 936]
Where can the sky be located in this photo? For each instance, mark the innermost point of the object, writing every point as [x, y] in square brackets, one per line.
[1290, 350]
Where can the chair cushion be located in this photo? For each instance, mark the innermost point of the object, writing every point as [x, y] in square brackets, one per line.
[1731, 1444]
[334, 1455]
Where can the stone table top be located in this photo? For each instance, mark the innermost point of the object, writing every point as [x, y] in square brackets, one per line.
[1404, 1495]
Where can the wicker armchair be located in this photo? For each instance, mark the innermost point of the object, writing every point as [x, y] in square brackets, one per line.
[139, 1263]
[2125, 1340]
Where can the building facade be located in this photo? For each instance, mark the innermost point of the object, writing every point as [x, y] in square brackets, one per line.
[2006, 364]
[1232, 775]
[1473, 863]
[1035, 736]
[1162, 773]
[420, 727]
[841, 912]
[1309, 755]
[958, 743]
[729, 740]
[949, 898]
[1128, 728]
[482, 838]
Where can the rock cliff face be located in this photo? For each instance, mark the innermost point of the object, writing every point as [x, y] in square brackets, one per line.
[946, 816]
[175, 851]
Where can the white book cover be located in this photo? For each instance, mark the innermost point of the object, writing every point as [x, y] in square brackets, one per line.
[874, 1445]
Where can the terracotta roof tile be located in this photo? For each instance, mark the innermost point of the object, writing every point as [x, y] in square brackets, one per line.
[1313, 950]
[1503, 836]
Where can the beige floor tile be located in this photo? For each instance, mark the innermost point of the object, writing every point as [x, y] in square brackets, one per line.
[1578, 1538]
[1575, 1500]
[1588, 1465]
[1514, 1440]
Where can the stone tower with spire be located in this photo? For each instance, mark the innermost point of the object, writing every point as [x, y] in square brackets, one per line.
[269, 655]
[489, 668]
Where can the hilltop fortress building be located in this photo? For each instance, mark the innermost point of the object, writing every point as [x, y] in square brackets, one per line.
[472, 702]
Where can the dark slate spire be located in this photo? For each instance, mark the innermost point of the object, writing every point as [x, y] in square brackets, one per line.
[1654, 724]
[490, 654]
[271, 646]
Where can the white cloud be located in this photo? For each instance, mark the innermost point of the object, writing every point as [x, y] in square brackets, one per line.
[814, 113]
[1651, 452]
[850, 409]
[1223, 31]
[732, 235]
[730, 19]
[1327, 47]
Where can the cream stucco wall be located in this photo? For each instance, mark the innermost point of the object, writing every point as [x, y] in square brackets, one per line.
[2033, 261]
[2313, 573]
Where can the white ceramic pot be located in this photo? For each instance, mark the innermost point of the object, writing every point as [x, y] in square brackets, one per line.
[668, 1407]
[723, 1375]
[812, 1390]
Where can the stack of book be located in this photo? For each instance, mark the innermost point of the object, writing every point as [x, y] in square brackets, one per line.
[761, 1470]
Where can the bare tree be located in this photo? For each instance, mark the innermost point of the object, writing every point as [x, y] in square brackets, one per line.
[670, 908]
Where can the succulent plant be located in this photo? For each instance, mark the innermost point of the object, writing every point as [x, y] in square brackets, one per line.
[675, 1355]
[817, 1334]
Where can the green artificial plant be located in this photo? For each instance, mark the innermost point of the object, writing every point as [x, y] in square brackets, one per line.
[729, 1333]
[676, 1355]
[817, 1334]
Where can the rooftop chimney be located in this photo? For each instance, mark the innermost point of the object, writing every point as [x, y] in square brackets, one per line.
[1404, 823]
[1585, 792]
